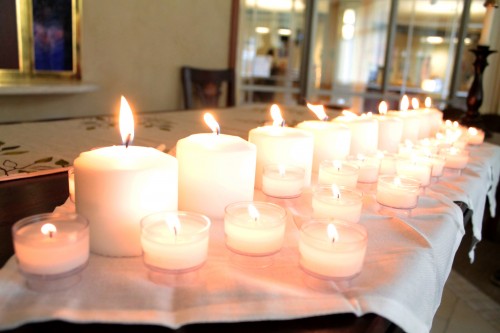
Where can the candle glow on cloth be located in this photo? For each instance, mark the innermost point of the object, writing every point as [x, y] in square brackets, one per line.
[282, 181]
[214, 170]
[398, 192]
[51, 243]
[332, 201]
[117, 186]
[175, 241]
[332, 249]
[278, 144]
[254, 228]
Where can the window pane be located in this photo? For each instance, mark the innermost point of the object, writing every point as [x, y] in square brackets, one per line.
[424, 47]
[272, 37]
[349, 50]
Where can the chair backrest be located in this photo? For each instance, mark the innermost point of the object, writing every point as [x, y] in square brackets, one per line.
[203, 87]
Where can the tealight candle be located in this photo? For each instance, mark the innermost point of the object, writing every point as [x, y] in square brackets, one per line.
[214, 170]
[282, 181]
[338, 172]
[455, 158]
[51, 245]
[416, 168]
[331, 141]
[332, 201]
[387, 163]
[254, 228]
[175, 241]
[332, 249]
[117, 186]
[277, 144]
[398, 192]
[368, 167]
[475, 136]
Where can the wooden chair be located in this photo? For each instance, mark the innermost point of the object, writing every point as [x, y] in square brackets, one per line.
[203, 87]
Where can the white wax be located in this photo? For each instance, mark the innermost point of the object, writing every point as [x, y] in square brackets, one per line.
[282, 181]
[343, 174]
[214, 171]
[255, 237]
[388, 164]
[71, 184]
[436, 121]
[425, 124]
[282, 145]
[411, 124]
[331, 141]
[364, 134]
[339, 259]
[390, 132]
[455, 158]
[415, 168]
[484, 38]
[475, 137]
[182, 250]
[116, 187]
[368, 168]
[347, 207]
[67, 249]
[402, 194]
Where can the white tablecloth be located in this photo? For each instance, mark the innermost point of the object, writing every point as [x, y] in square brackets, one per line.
[407, 263]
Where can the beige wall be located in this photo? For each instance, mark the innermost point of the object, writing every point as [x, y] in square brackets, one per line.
[135, 48]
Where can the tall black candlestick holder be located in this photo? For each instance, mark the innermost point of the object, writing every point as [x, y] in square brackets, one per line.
[472, 117]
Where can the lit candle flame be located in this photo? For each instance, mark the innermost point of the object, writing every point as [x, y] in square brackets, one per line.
[415, 103]
[212, 123]
[472, 131]
[48, 229]
[173, 223]
[333, 234]
[337, 165]
[349, 114]
[428, 102]
[382, 108]
[336, 191]
[126, 122]
[319, 111]
[253, 212]
[405, 103]
[281, 170]
[276, 115]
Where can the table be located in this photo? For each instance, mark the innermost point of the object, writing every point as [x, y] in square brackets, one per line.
[425, 249]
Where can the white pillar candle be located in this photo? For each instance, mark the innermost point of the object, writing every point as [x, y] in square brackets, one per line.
[175, 241]
[390, 130]
[331, 141]
[411, 121]
[415, 168]
[282, 181]
[475, 136]
[368, 167]
[425, 119]
[364, 133]
[484, 38]
[117, 186]
[51, 243]
[214, 171]
[282, 145]
[435, 117]
[455, 158]
[338, 172]
[71, 184]
[336, 254]
[332, 201]
[398, 192]
[254, 228]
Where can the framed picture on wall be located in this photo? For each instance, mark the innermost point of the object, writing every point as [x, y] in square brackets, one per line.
[53, 35]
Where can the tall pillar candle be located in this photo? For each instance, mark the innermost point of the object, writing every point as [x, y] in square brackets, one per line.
[117, 186]
[390, 130]
[214, 171]
[282, 145]
[364, 133]
[331, 141]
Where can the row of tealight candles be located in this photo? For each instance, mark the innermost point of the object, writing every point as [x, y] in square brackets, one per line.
[121, 189]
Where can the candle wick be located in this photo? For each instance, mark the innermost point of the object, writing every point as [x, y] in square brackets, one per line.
[282, 123]
[333, 240]
[127, 140]
[51, 234]
[325, 118]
